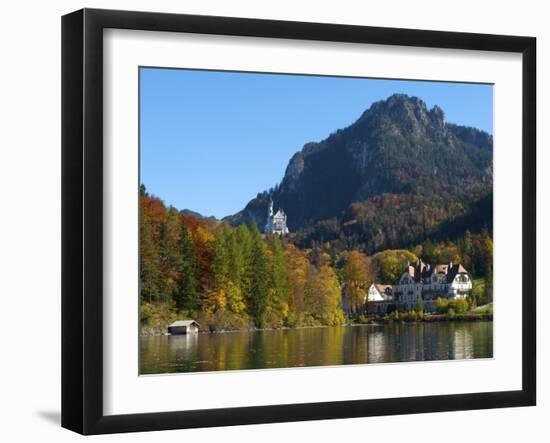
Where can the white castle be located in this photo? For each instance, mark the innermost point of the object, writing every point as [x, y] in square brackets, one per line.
[276, 223]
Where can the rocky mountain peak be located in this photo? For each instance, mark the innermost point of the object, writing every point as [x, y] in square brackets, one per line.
[397, 146]
[405, 114]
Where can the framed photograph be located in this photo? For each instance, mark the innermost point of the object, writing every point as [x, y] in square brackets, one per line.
[268, 221]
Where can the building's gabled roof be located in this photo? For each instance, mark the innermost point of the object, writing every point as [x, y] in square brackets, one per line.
[184, 323]
[416, 270]
[454, 270]
[419, 270]
[382, 288]
[440, 269]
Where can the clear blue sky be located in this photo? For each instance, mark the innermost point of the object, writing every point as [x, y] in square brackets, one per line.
[210, 141]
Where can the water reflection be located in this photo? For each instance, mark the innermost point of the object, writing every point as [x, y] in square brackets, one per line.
[316, 347]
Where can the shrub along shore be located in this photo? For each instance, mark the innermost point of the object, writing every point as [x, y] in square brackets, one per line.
[484, 313]
[446, 310]
[431, 318]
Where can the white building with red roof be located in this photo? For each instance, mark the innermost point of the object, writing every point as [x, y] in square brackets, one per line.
[420, 282]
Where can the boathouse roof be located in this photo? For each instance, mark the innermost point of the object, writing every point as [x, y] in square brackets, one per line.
[184, 323]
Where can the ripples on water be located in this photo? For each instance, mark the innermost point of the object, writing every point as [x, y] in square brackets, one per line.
[398, 342]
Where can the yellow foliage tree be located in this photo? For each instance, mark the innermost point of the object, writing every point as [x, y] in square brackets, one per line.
[357, 278]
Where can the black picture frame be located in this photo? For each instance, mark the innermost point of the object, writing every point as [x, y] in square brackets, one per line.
[82, 218]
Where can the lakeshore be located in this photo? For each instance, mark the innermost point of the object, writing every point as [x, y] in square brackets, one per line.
[405, 317]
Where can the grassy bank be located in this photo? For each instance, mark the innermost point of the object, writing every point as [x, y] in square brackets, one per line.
[408, 317]
[485, 309]
[469, 316]
[481, 313]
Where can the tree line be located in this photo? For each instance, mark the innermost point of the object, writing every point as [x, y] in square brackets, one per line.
[229, 278]
[237, 278]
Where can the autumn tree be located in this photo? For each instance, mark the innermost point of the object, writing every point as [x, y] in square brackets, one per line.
[447, 252]
[203, 243]
[297, 265]
[149, 271]
[390, 264]
[169, 254]
[323, 296]
[356, 278]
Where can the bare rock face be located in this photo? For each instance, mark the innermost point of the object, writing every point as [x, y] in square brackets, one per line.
[438, 117]
[293, 172]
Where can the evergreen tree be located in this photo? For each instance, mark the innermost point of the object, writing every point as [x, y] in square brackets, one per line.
[279, 291]
[428, 252]
[220, 270]
[488, 252]
[235, 255]
[244, 242]
[235, 270]
[187, 296]
[466, 250]
[221, 263]
[259, 280]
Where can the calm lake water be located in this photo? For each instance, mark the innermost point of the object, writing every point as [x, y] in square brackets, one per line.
[344, 345]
